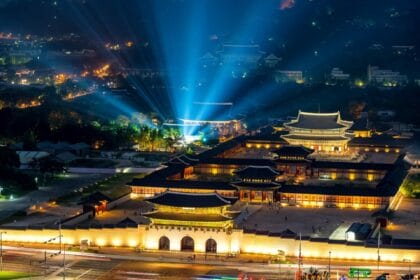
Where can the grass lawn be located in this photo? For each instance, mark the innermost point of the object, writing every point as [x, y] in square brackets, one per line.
[411, 186]
[13, 275]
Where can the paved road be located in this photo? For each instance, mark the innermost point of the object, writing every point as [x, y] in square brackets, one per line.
[107, 266]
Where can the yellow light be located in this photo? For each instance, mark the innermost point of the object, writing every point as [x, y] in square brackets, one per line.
[352, 176]
[249, 145]
[258, 146]
[132, 243]
[370, 177]
[370, 206]
[359, 83]
[214, 171]
[341, 205]
[356, 206]
[100, 242]
[116, 242]
[267, 146]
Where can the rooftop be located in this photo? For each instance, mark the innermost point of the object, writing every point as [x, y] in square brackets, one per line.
[187, 217]
[257, 172]
[315, 137]
[308, 120]
[180, 199]
[293, 150]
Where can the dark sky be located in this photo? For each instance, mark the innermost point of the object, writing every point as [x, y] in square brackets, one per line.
[389, 20]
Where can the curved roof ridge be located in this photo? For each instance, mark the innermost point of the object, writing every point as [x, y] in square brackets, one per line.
[258, 167]
[323, 114]
[157, 199]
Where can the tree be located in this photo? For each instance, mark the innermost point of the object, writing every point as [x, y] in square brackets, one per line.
[29, 141]
[9, 159]
[171, 137]
[50, 165]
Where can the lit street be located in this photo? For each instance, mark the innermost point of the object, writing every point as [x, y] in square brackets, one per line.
[149, 266]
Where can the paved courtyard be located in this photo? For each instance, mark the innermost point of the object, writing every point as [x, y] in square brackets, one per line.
[317, 222]
[405, 222]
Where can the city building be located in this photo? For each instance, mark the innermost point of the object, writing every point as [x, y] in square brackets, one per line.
[287, 76]
[387, 78]
[246, 56]
[271, 60]
[339, 75]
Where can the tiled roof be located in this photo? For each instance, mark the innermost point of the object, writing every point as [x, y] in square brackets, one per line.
[257, 172]
[187, 217]
[318, 121]
[180, 199]
[314, 137]
[293, 150]
[256, 186]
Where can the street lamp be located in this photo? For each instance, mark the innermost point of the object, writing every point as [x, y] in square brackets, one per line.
[61, 251]
[1, 250]
[409, 266]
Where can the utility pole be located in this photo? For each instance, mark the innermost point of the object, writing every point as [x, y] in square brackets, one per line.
[1, 250]
[299, 272]
[329, 265]
[62, 249]
[379, 244]
[45, 263]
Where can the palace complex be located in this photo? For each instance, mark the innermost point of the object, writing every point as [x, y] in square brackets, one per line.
[200, 202]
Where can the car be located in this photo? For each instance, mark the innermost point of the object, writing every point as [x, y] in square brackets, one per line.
[410, 277]
[383, 276]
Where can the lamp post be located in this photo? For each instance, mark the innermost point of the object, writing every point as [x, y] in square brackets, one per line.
[409, 266]
[329, 265]
[61, 251]
[1, 250]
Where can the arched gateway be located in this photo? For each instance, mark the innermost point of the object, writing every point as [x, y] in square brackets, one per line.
[164, 243]
[211, 246]
[187, 244]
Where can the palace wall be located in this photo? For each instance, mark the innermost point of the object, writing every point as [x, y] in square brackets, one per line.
[228, 241]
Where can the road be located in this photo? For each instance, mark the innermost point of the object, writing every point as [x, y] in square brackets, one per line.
[112, 266]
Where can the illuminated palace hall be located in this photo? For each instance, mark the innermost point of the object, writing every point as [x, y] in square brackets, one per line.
[256, 194]
[323, 132]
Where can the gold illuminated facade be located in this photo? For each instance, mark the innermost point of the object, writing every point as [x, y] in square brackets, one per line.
[191, 209]
[322, 132]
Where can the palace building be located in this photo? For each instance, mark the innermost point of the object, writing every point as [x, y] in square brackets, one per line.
[188, 209]
[257, 183]
[289, 177]
[323, 132]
